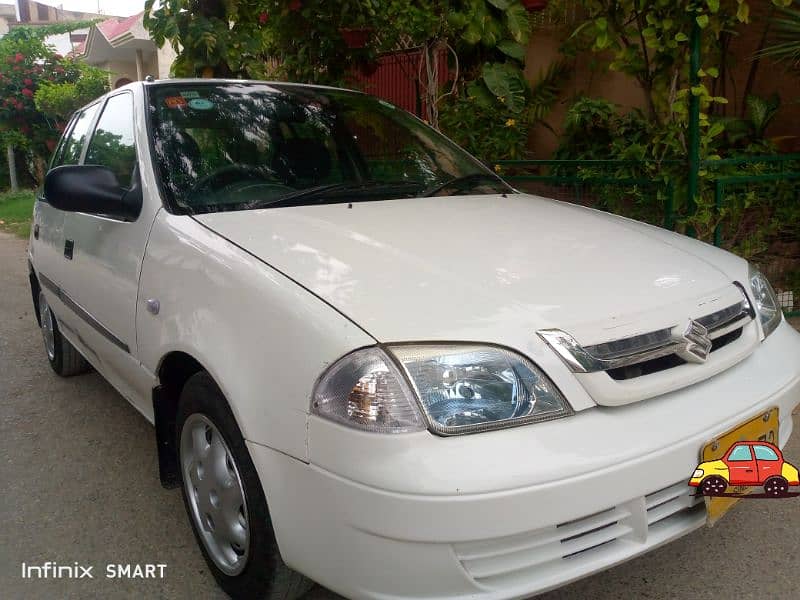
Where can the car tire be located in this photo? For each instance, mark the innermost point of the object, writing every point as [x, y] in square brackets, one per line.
[225, 501]
[776, 486]
[714, 485]
[64, 359]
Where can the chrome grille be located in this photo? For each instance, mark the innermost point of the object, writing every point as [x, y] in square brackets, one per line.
[649, 352]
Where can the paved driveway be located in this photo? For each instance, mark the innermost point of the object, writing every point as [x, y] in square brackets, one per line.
[78, 479]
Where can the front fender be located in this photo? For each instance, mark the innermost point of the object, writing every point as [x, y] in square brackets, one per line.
[790, 473]
[263, 338]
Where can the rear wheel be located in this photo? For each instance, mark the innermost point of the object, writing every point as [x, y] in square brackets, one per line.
[713, 485]
[776, 486]
[64, 359]
[225, 501]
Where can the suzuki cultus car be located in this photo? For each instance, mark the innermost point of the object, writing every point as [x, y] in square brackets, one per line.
[373, 364]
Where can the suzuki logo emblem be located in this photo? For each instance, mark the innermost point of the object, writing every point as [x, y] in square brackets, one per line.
[697, 343]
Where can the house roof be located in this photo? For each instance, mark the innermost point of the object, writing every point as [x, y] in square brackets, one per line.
[115, 38]
[116, 26]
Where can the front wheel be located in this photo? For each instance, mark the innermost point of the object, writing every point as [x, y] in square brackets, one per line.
[776, 486]
[225, 501]
[713, 485]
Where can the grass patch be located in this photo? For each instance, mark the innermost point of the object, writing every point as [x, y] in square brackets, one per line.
[16, 210]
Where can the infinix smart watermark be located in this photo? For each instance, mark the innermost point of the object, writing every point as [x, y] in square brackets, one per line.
[54, 570]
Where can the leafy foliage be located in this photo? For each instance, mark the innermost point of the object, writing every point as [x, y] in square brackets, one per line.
[27, 64]
[60, 100]
[493, 129]
[489, 131]
[785, 42]
[300, 40]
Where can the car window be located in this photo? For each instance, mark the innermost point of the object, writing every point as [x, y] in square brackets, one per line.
[112, 144]
[238, 146]
[765, 453]
[55, 159]
[69, 153]
[741, 453]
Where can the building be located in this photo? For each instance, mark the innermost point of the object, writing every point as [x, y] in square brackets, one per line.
[122, 46]
[119, 45]
[32, 13]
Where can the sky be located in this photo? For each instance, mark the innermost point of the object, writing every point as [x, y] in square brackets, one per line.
[122, 8]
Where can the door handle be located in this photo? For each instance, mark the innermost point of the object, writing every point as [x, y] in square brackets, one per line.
[36, 231]
[69, 247]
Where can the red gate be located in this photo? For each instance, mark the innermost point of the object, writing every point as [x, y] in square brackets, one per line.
[396, 78]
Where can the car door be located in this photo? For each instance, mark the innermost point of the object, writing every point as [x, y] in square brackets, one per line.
[767, 461]
[47, 244]
[742, 465]
[106, 256]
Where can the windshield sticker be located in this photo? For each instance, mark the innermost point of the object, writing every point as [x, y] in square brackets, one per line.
[175, 102]
[200, 104]
[190, 94]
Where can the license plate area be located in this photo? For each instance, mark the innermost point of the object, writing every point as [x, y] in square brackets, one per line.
[761, 428]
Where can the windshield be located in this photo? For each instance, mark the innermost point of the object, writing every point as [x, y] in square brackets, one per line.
[237, 146]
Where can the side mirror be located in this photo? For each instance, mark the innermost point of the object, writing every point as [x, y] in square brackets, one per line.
[92, 189]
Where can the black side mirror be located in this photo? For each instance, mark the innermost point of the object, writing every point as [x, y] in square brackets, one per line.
[92, 189]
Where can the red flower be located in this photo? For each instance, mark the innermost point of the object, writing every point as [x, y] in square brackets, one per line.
[263, 18]
[28, 81]
[295, 5]
[27, 92]
[19, 106]
[19, 57]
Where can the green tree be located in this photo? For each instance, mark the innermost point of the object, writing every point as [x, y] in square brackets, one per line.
[303, 40]
[60, 100]
[650, 42]
[28, 63]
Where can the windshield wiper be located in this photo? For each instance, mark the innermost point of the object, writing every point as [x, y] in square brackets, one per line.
[465, 181]
[300, 196]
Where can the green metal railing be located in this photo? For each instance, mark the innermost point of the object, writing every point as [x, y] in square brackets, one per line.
[595, 183]
[738, 184]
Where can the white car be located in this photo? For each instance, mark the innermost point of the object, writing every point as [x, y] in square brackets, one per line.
[371, 362]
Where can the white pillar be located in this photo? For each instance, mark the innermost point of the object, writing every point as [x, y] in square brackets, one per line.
[139, 65]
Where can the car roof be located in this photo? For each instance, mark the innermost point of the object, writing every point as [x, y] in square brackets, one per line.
[755, 443]
[220, 81]
[277, 85]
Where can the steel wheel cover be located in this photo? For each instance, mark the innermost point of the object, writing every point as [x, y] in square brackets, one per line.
[48, 330]
[215, 494]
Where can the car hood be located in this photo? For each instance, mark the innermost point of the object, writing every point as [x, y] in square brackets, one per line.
[478, 268]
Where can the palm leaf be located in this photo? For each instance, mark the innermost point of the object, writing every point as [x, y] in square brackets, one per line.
[547, 89]
[785, 37]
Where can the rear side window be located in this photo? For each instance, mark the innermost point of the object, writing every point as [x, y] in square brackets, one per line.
[765, 453]
[112, 144]
[70, 151]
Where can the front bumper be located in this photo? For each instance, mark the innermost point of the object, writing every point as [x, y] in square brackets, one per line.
[511, 513]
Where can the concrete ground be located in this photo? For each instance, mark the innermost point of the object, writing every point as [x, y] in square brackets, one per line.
[79, 483]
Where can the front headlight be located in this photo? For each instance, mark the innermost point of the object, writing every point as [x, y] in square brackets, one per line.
[697, 473]
[766, 302]
[458, 388]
